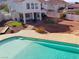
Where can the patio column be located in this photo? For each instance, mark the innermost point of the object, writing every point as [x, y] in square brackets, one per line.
[11, 13]
[24, 18]
[18, 17]
[40, 16]
[13, 18]
[33, 15]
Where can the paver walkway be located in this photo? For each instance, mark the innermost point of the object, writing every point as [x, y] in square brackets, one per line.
[70, 38]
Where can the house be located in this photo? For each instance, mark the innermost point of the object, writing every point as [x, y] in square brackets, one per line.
[24, 10]
[54, 6]
[73, 7]
[4, 16]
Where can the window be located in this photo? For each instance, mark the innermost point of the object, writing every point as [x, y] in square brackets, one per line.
[21, 15]
[27, 15]
[38, 15]
[28, 6]
[32, 5]
[36, 6]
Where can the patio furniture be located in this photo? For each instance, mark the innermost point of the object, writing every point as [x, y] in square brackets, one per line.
[3, 30]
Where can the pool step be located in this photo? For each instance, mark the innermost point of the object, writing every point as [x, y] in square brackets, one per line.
[11, 49]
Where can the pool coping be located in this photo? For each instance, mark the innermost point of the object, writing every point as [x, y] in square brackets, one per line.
[70, 38]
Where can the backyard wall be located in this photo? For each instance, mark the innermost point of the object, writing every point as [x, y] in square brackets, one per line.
[72, 17]
[53, 14]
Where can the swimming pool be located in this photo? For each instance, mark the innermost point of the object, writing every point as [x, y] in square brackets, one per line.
[32, 48]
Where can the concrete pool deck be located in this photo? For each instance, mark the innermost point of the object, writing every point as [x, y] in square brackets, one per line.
[69, 38]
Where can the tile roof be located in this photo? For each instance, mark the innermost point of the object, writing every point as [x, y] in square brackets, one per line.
[50, 1]
[74, 6]
[18, 0]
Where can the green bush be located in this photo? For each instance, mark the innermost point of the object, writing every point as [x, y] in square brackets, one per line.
[40, 30]
[4, 7]
[49, 21]
[14, 24]
[62, 16]
[77, 12]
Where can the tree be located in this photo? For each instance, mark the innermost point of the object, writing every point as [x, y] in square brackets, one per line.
[76, 2]
[4, 7]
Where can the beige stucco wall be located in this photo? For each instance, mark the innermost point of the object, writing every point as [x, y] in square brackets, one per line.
[72, 17]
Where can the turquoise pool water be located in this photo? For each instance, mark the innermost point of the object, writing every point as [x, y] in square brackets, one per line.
[32, 48]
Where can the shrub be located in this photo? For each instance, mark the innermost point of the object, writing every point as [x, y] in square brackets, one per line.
[77, 12]
[4, 7]
[62, 16]
[12, 31]
[14, 23]
[40, 30]
[49, 21]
